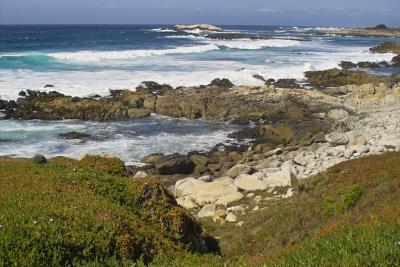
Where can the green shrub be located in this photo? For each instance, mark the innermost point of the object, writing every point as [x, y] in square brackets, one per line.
[350, 198]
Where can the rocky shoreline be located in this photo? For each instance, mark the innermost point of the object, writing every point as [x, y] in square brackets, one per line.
[362, 32]
[292, 133]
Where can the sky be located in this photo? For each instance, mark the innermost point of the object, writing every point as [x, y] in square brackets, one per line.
[222, 12]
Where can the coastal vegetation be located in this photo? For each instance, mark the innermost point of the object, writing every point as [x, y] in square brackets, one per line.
[67, 212]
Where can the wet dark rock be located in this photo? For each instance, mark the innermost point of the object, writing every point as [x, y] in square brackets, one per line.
[153, 158]
[347, 65]
[174, 164]
[199, 160]
[74, 135]
[259, 77]
[5, 140]
[367, 64]
[287, 83]
[122, 104]
[284, 132]
[396, 61]
[22, 94]
[222, 83]
[39, 159]
[270, 81]
[154, 87]
[48, 86]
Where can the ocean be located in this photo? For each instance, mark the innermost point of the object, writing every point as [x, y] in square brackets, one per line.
[84, 60]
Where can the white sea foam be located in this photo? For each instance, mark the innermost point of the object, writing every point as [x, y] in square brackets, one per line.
[162, 30]
[190, 36]
[181, 72]
[248, 44]
[124, 140]
[95, 56]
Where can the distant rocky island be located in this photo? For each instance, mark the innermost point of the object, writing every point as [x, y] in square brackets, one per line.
[202, 27]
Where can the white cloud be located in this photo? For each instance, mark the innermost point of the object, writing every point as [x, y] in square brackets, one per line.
[268, 10]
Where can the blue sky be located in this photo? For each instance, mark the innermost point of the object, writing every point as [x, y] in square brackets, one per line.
[252, 12]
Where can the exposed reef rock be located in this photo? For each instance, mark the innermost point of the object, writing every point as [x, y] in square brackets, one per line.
[367, 32]
[337, 77]
[387, 47]
[56, 106]
[74, 135]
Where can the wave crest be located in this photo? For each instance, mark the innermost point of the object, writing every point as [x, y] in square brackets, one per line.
[95, 56]
[247, 44]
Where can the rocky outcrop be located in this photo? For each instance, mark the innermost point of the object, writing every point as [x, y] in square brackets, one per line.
[74, 135]
[387, 47]
[337, 77]
[202, 27]
[55, 106]
[368, 97]
[362, 32]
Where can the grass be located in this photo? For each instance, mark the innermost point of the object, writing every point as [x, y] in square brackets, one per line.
[69, 212]
[347, 216]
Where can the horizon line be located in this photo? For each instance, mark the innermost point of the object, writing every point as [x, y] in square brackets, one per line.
[172, 24]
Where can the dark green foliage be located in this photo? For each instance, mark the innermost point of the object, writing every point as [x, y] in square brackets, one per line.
[39, 159]
[70, 212]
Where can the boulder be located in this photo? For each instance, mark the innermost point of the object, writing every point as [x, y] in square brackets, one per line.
[250, 183]
[152, 158]
[175, 164]
[232, 218]
[199, 160]
[140, 174]
[187, 186]
[359, 149]
[222, 83]
[186, 202]
[355, 138]
[276, 151]
[207, 211]
[337, 139]
[222, 192]
[205, 178]
[280, 178]
[347, 65]
[240, 209]
[389, 142]
[286, 83]
[238, 169]
[240, 224]
[338, 114]
[304, 157]
[219, 215]
[230, 198]
[74, 135]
